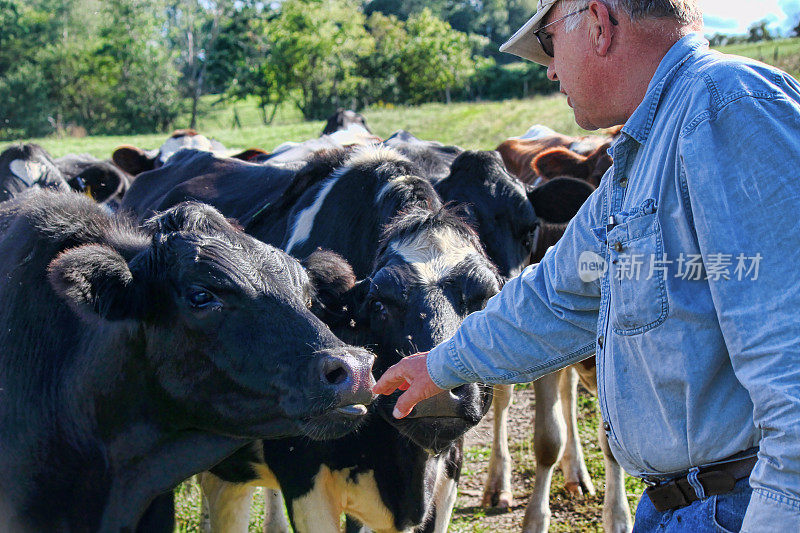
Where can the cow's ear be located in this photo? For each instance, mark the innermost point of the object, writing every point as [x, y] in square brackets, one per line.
[558, 200]
[332, 277]
[560, 162]
[95, 281]
[132, 160]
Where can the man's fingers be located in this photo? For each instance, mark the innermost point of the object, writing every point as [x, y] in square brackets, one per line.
[391, 380]
[407, 401]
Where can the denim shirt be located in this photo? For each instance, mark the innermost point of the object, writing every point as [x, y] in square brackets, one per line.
[681, 273]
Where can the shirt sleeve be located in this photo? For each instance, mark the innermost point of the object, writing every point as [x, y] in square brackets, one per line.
[741, 167]
[542, 320]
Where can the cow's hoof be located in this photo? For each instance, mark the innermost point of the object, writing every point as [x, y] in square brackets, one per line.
[579, 488]
[502, 499]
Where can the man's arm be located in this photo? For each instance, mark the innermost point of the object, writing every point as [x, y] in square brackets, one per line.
[542, 320]
[742, 171]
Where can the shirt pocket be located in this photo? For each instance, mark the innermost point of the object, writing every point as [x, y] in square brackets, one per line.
[637, 272]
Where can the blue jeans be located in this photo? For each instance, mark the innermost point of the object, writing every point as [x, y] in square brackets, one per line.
[716, 514]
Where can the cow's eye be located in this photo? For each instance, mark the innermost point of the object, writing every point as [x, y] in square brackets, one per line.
[202, 299]
[379, 310]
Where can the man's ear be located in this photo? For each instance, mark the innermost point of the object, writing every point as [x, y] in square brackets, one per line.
[601, 29]
[95, 281]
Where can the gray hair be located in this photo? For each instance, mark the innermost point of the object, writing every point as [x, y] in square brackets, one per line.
[685, 11]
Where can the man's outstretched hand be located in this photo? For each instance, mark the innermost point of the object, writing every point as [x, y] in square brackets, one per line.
[409, 375]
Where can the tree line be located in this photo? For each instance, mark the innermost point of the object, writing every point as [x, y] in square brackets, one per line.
[134, 66]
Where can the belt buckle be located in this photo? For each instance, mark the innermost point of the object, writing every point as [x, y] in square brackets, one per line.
[666, 496]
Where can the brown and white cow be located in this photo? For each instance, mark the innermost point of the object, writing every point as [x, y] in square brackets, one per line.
[542, 154]
[555, 429]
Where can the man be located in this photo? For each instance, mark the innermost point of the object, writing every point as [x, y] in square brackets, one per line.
[679, 272]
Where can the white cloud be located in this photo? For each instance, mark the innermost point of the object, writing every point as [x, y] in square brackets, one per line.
[735, 16]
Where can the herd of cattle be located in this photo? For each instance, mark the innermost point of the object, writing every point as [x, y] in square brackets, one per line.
[192, 310]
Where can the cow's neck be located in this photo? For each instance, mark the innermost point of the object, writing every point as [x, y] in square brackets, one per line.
[115, 451]
[140, 476]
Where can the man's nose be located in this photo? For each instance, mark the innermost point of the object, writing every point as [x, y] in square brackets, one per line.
[551, 72]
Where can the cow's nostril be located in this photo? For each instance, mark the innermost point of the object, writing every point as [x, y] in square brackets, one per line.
[335, 372]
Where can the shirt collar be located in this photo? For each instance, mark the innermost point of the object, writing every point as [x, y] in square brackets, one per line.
[641, 121]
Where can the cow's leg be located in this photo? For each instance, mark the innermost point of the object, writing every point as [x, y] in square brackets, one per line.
[549, 434]
[616, 513]
[497, 492]
[274, 518]
[228, 504]
[576, 475]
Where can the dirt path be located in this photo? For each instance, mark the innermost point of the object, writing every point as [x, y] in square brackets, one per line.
[569, 514]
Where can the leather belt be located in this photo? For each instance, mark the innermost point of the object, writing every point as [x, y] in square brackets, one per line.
[713, 479]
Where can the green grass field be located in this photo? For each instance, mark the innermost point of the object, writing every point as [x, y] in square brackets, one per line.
[470, 125]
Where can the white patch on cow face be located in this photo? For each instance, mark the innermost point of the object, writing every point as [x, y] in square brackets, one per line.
[173, 144]
[28, 171]
[304, 221]
[434, 254]
[335, 492]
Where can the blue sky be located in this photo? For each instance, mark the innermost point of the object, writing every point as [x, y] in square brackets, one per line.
[735, 16]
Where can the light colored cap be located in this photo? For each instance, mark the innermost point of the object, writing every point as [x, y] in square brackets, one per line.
[524, 43]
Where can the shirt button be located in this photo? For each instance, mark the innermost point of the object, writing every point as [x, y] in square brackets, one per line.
[623, 182]
[606, 426]
[617, 246]
[600, 341]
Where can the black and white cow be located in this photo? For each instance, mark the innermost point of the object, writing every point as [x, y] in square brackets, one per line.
[418, 270]
[517, 224]
[132, 359]
[23, 166]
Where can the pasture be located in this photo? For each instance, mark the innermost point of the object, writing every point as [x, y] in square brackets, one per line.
[480, 125]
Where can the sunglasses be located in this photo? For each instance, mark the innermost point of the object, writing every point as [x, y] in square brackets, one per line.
[546, 39]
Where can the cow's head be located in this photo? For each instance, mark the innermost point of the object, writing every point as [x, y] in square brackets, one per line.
[223, 323]
[430, 273]
[497, 207]
[343, 119]
[564, 162]
[134, 160]
[23, 166]
[556, 202]
[102, 180]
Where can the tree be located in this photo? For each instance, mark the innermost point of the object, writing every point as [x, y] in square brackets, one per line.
[313, 54]
[195, 28]
[145, 95]
[435, 60]
[758, 31]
